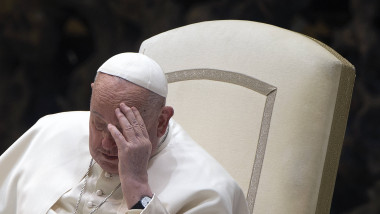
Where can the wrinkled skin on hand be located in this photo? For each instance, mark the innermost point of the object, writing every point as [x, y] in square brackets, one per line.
[134, 151]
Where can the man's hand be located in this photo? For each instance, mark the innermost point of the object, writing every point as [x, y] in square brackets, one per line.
[134, 149]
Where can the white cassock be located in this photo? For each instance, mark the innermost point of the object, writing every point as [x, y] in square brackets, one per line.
[45, 167]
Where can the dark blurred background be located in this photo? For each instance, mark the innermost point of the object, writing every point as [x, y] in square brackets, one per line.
[50, 50]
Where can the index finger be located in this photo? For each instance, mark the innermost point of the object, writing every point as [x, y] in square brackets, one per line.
[116, 135]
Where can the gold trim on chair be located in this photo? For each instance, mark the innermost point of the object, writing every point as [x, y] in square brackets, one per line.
[338, 129]
[253, 84]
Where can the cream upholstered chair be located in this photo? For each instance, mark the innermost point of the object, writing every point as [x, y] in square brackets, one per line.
[269, 104]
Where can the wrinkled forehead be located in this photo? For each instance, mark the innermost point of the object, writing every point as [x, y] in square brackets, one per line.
[111, 90]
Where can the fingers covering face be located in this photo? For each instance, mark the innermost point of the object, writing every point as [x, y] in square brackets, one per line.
[131, 123]
[117, 136]
[140, 122]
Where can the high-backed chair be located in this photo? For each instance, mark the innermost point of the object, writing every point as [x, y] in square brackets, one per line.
[269, 104]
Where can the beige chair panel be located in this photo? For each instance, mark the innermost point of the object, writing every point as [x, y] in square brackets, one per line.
[211, 99]
[298, 144]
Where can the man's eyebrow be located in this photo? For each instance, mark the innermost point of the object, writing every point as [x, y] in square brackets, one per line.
[98, 114]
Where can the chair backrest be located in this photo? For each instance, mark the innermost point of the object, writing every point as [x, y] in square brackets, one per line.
[269, 104]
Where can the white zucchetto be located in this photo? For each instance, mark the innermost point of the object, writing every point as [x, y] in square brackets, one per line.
[138, 69]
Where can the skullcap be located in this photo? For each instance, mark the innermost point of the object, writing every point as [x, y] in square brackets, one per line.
[138, 69]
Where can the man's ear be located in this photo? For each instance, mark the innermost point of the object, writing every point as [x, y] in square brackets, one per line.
[163, 120]
[92, 85]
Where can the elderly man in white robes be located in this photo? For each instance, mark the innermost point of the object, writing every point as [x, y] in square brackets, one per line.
[123, 156]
